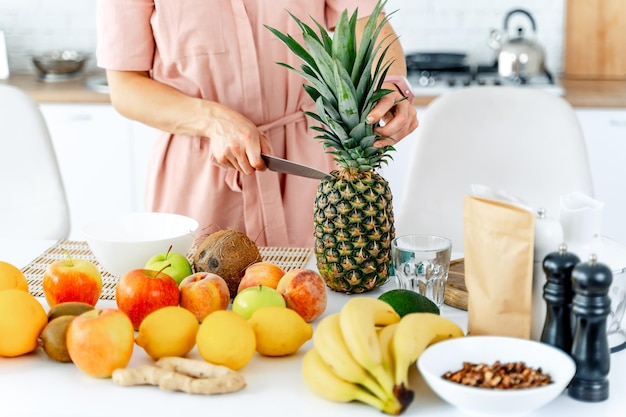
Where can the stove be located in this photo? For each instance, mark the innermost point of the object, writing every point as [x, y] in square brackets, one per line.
[429, 77]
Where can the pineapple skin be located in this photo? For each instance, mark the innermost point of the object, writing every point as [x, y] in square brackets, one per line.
[354, 227]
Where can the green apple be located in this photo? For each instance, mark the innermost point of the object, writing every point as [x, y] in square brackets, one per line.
[179, 267]
[251, 299]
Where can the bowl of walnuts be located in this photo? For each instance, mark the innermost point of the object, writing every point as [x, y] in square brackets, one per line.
[496, 375]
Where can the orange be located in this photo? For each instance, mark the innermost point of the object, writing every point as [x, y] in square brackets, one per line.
[22, 318]
[12, 277]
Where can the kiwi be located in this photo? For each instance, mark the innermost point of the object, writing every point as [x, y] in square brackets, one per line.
[68, 308]
[226, 253]
[52, 338]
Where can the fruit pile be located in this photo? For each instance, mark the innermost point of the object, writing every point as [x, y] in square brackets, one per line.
[364, 352]
[228, 269]
[269, 313]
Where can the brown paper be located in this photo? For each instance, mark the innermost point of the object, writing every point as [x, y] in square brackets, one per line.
[499, 242]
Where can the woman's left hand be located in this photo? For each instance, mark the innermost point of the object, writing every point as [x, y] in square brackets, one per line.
[397, 117]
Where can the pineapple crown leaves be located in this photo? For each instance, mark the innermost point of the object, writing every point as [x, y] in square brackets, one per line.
[345, 81]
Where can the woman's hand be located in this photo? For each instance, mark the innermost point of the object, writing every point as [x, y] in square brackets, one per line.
[235, 141]
[396, 115]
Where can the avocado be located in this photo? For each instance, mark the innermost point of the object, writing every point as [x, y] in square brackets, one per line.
[407, 301]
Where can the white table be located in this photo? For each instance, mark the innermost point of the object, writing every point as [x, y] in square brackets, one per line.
[33, 385]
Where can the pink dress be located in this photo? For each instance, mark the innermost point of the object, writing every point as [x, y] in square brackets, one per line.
[219, 50]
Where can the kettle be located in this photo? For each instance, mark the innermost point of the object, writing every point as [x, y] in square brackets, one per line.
[519, 57]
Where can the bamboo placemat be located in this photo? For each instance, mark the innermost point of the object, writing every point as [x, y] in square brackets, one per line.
[286, 258]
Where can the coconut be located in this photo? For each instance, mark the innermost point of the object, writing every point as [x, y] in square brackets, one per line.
[226, 253]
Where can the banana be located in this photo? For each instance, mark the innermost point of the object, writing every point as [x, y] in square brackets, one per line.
[330, 345]
[321, 379]
[385, 336]
[414, 333]
[358, 320]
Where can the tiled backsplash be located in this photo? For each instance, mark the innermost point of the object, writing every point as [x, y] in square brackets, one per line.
[34, 26]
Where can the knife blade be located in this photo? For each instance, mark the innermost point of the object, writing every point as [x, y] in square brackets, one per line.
[285, 166]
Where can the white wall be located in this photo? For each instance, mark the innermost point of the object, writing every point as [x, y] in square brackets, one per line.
[33, 26]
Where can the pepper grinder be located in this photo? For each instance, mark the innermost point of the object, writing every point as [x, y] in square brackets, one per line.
[557, 293]
[590, 347]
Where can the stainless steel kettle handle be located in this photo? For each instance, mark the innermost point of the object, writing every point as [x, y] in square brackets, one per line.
[522, 11]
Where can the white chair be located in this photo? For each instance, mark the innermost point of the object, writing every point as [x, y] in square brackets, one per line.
[526, 142]
[33, 202]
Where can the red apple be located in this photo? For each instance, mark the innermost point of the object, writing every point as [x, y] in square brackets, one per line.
[100, 341]
[203, 293]
[304, 291]
[139, 292]
[72, 280]
[261, 273]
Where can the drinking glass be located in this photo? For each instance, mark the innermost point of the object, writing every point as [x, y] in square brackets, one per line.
[421, 263]
[615, 327]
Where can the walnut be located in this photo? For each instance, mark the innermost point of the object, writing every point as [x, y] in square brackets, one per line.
[512, 375]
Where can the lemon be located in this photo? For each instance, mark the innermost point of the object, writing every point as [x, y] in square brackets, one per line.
[168, 331]
[22, 318]
[12, 277]
[407, 301]
[225, 338]
[279, 331]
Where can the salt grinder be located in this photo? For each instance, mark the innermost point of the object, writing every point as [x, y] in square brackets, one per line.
[557, 293]
[590, 347]
[548, 237]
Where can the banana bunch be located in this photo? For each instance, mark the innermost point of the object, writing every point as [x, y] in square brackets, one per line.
[364, 353]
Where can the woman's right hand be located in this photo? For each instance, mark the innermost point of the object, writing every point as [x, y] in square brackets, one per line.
[236, 142]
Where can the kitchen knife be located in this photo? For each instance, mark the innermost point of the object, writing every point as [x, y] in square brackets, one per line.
[288, 167]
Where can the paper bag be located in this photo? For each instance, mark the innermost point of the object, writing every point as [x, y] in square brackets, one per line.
[499, 245]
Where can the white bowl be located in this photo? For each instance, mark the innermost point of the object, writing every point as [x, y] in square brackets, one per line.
[126, 241]
[449, 355]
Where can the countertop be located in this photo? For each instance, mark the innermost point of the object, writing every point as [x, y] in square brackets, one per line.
[579, 93]
[33, 386]
[71, 91]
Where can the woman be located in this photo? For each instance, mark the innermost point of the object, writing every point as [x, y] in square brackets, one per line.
[205, 73]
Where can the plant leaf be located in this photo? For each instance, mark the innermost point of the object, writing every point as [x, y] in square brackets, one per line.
[346, 97]
[344, 41]
[294, 46]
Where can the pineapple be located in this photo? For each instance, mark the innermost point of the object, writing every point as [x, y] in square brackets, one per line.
[353, 206]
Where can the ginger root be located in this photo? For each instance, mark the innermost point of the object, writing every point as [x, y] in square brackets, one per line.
[181, 374]
[194, 368]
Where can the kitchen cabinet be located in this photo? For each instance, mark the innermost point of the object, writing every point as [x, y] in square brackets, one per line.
[605, 135]
[142, 140]
[102, 157]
